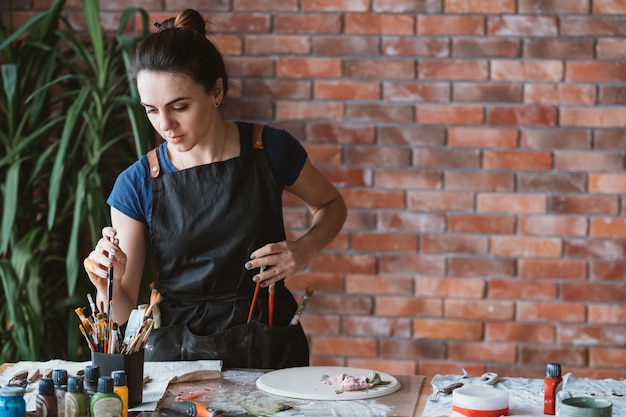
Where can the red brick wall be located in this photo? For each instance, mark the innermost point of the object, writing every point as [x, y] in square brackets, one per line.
[480, 148]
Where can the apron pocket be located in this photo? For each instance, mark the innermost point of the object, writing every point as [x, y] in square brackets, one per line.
[251, 345]
[164, 344]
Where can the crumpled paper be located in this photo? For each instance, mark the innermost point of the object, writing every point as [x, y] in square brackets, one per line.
[526, 394]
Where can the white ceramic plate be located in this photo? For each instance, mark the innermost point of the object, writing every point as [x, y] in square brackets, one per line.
[306, 383]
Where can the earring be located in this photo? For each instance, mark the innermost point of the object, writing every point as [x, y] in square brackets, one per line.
[217, 103]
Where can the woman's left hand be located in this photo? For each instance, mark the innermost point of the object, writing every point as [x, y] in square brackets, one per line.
[281, 260]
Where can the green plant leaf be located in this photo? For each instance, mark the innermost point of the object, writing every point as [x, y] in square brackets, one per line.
[10, 200]
[9, 80]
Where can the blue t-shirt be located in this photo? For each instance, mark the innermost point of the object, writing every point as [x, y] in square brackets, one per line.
[132, 192]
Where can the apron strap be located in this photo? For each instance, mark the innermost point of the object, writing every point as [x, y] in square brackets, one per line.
[257, 136]
[153, 161]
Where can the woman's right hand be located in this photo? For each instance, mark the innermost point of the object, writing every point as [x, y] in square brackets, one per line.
[97, 263]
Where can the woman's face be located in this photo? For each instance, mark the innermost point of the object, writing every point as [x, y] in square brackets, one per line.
[180, 109]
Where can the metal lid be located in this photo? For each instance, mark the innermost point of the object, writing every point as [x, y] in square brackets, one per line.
[553, 370]
[12, 391]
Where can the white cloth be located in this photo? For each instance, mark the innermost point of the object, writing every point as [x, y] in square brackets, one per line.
[159, 374]
[526, 395]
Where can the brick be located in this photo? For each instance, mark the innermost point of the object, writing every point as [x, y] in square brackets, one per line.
[411, 349]
[228, 44]
[407, 6]
[482, 137]
[277, 45]
[363, 346]
[359, 264]
[272, 88]
[265, 5]
[369, 198]
[336, 5]
[482, 352]
[450, 287]
[378, 284]
[553, 225]
[540, 138]
[447, 329]
[412, 46]
[311, 110]
[479, 181]
[593, 25]
[596, 248]
[469, 114]
[478, 6]
[553, 6]
[249, 66]
[486, 47]
[521, 289]
[306, 23]
[346, 90]
[609, 7]
[408, 179]
[609, 138]
[340, 133]
[607, 183]
[379, 113]
[559, 94]
[360, 220]
[602, 292]
[376, 24]
[239, 23]
[590, 335]
[588, 161]
[551, 183]
[396, 367]
[526, 246]
[252, 109]
[461, 223]
[452, 70]
[440, 201]
[610, 271]
[308, 67]
[320, 325]
[527, 70]
[522, 25]
[484, 267]
[517, 160]
[442, 244]
[541, 354]
[414, 264]
[347, 177]
[384, 242]
[479, 309]
[524, 116]
[400, 306]
[555, 48]
[344, 45]
[511, 203]
[583, 204]
[380, 69]
[608, 227]
[595, 71]
[593, 117]
[610, 94]
[605, 314]
[411, 135]
[446, 158]
[607, 357]
[416, 92]
[376, 326]
[548, 268]
[518, 332]
[487, 92]
[611, 48]
[450, 25]
[324, 153]
[411, 222]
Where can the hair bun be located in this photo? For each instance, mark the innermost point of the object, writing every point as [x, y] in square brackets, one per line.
[188, 18]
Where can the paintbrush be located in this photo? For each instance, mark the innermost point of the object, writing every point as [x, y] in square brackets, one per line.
[296, 317]
[110, 286]
[257, 287]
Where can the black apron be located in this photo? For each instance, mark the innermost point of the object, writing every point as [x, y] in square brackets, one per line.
[206, 221]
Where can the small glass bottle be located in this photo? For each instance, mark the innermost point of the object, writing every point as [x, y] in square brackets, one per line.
[105, 403]
[59, 376]
[75, 400]
[120, 387]
[46, 401]
[12, 402]
[550, 387]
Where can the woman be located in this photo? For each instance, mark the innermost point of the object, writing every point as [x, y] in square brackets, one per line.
[210, 199]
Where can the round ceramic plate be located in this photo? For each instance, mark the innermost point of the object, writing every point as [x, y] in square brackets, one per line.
[306, 383]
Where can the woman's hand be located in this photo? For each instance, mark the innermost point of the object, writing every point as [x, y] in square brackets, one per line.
[97, 264]
[281, 260]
